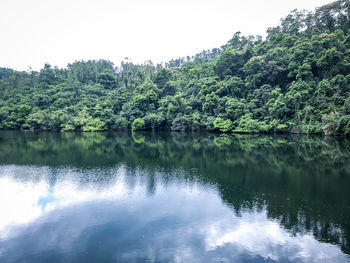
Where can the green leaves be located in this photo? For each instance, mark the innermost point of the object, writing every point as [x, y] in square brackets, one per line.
[223, 125]
[249, 125]
[297, 80]
[230, 63]
[138, 124]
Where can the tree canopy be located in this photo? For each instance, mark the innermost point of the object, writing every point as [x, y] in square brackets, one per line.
[296, 80]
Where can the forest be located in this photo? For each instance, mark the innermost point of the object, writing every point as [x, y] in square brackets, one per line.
[296, 80]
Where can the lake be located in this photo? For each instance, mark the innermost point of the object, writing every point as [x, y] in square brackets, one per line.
[173, 197]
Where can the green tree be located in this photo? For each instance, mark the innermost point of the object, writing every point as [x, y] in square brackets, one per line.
[138, 124]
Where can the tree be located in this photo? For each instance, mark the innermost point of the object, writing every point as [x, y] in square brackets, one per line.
[296, 80]
[138, 124]
[223, 125]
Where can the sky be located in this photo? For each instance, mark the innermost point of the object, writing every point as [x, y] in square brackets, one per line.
[59, 32]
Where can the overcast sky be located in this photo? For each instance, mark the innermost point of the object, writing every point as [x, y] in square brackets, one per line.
[62, 31]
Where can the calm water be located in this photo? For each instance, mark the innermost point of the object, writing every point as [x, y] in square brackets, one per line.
[168, 197]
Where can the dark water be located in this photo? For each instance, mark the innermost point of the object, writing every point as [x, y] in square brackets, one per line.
[162, 197]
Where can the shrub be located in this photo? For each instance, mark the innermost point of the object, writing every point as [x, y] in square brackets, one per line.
[138, 124]
[223, 125]
[121, 122]
[249, 125]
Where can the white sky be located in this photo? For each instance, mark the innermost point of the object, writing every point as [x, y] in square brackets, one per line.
[62, 31]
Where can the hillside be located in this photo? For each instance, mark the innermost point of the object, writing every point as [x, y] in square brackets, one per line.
[296, 80]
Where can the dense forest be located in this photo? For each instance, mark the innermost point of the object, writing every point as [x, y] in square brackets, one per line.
[296, 80]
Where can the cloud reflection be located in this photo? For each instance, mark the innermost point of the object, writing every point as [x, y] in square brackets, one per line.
[75, 215]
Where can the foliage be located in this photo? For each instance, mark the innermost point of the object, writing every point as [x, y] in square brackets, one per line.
[296, 80]
[138, 124]
[249, 125]
[223, 125]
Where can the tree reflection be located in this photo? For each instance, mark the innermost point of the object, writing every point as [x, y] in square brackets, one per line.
[302, 181]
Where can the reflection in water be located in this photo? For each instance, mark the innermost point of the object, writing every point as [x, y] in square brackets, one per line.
[170, 198]
[179, 221]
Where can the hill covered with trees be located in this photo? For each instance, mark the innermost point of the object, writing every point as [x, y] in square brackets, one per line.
[296, 80]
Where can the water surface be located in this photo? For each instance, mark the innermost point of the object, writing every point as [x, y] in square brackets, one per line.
[169, 197]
